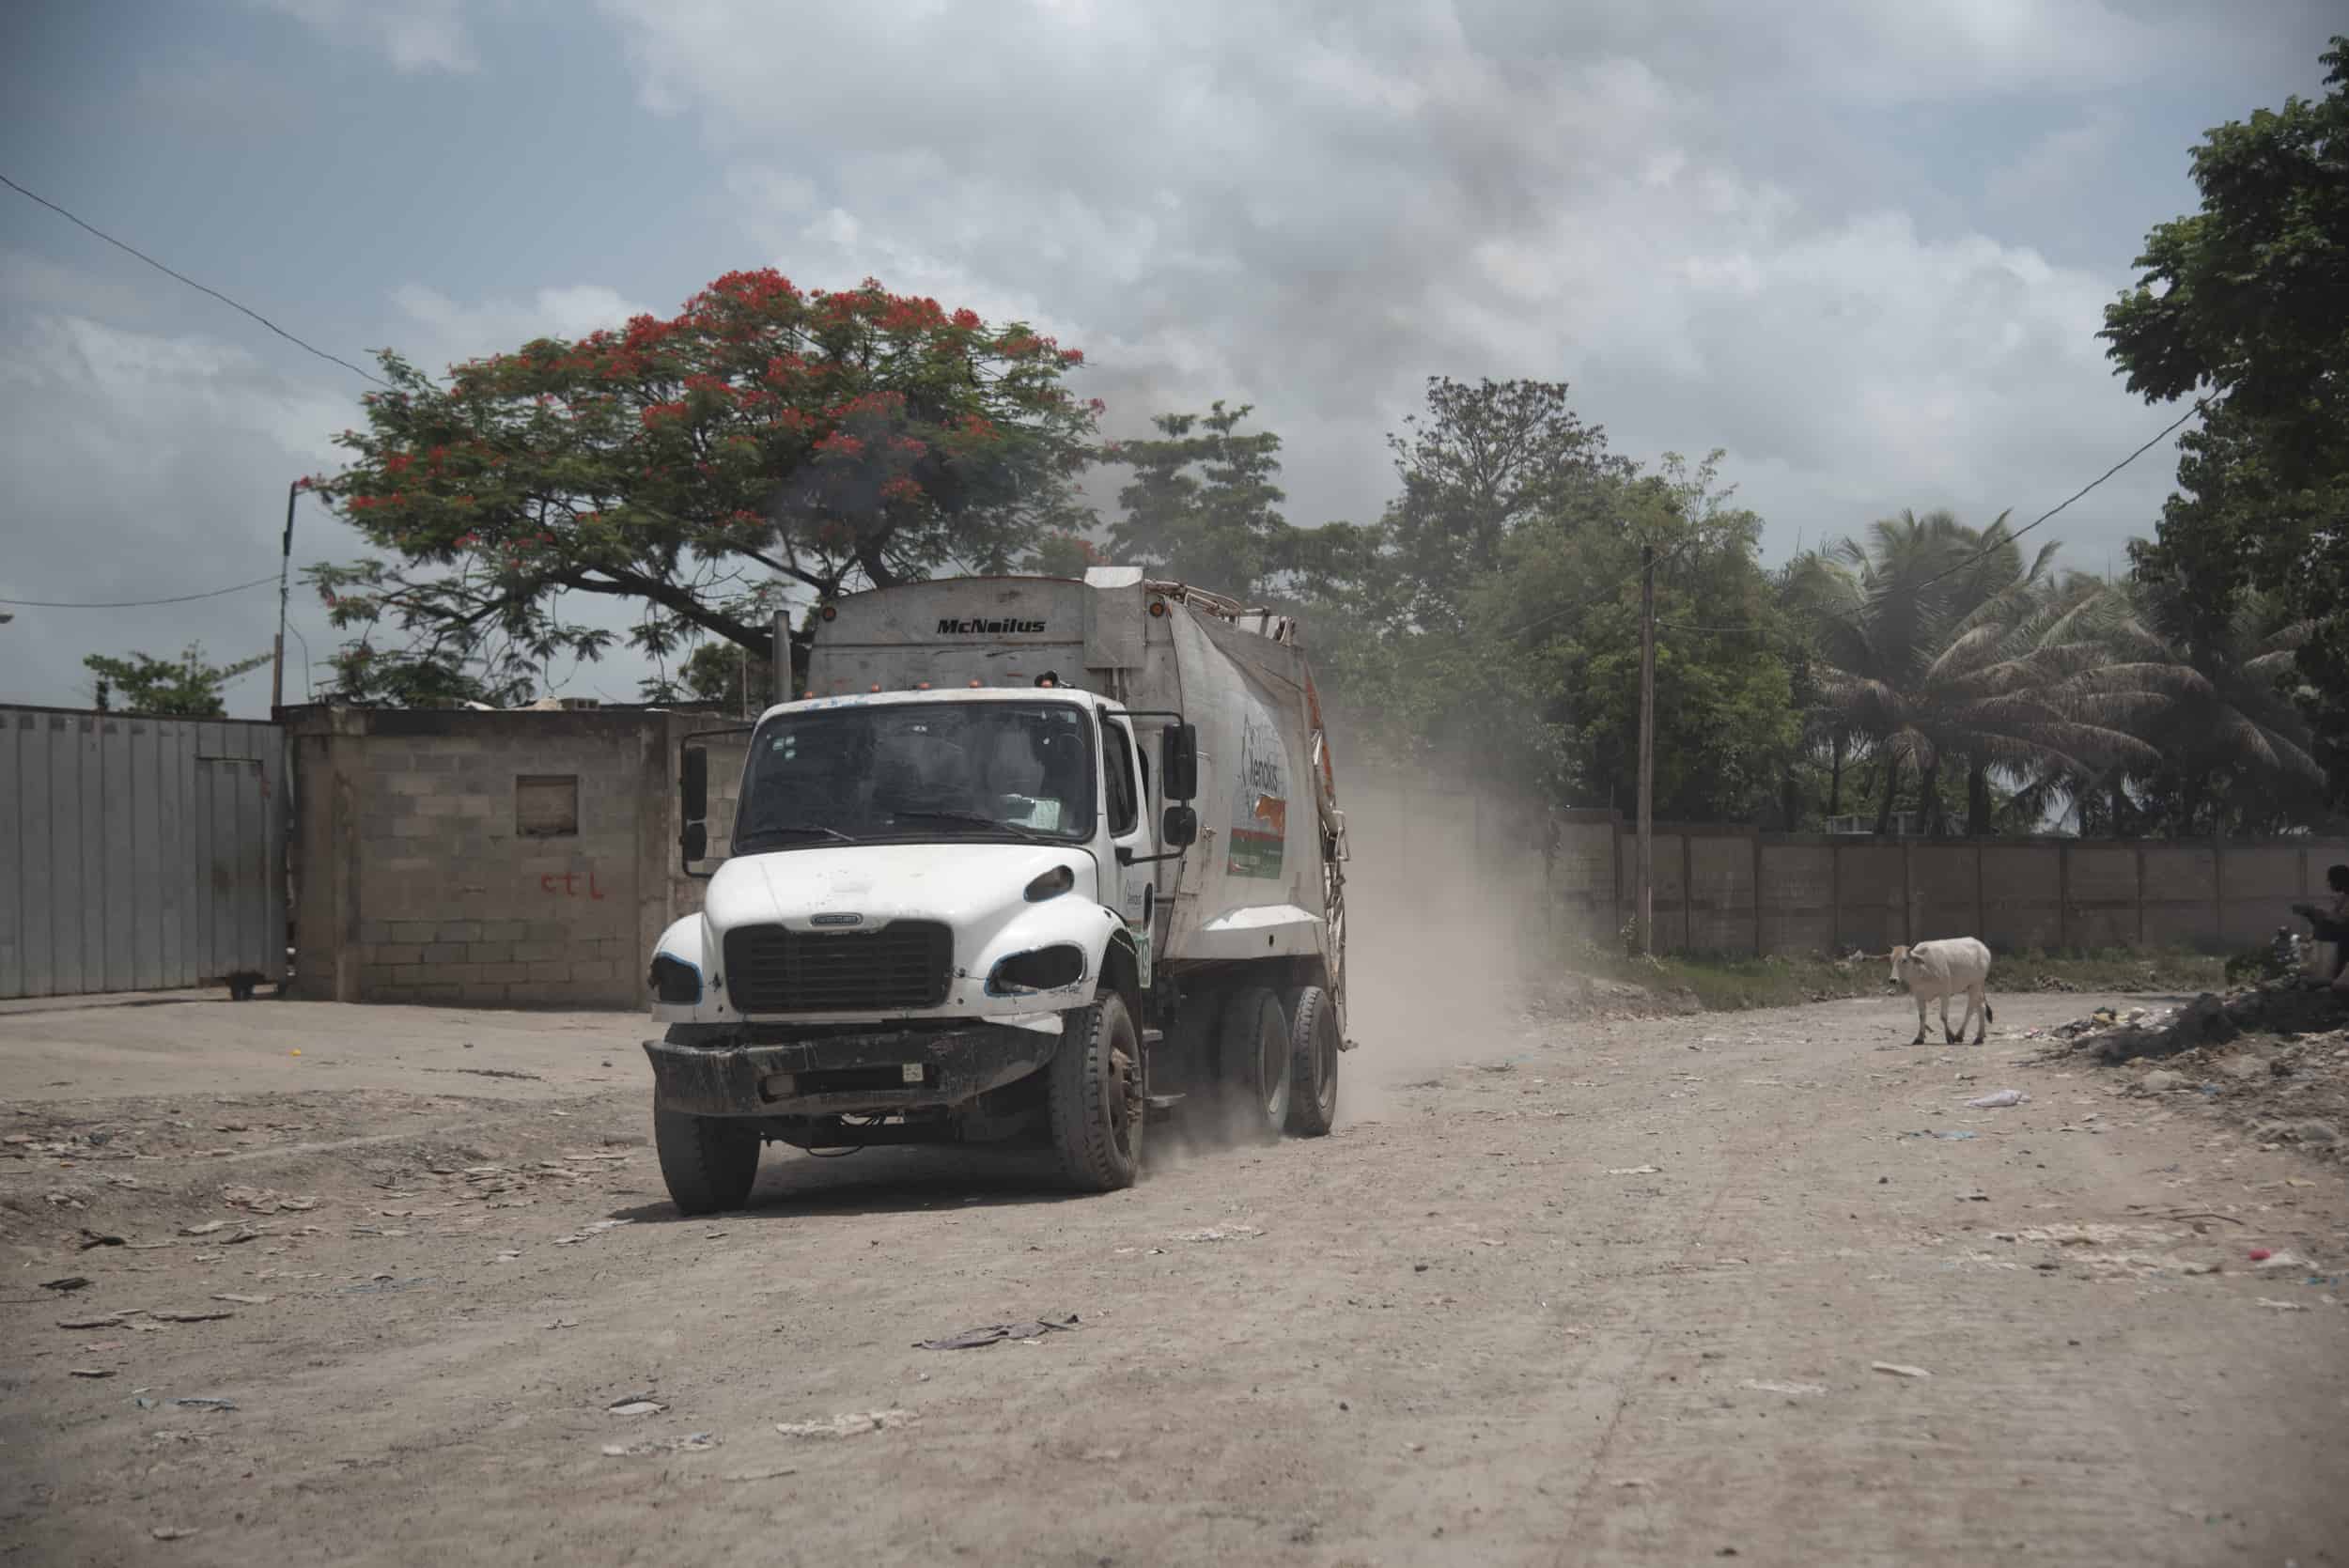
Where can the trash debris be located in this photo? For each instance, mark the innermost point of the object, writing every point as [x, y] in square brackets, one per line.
[1999, 1100]
[112, 1320]
[89, 1372]
[2161, 1080]
[1897, 1370]
[170, 1532]
[206, 1402]
[71, 1281]
[243, 1300]
[2258, 1254]
[636, 1405]
[586, 1233]
[564, 1322]
[773, 1472]
[971, 1339]
[98, 1238]
[201, 1314]
[692, 1442]
[848, 1425]
[205, 1229]
[1218, 1233]
[1763, 1386]
[1636, 1170]
[2284, 1305]
[1959, 1136]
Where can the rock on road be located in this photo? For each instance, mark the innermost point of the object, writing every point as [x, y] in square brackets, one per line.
[1600, 1292]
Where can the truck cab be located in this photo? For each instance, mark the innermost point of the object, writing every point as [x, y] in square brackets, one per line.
[942, 919]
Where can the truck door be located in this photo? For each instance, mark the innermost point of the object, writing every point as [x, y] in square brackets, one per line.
[1126, 888]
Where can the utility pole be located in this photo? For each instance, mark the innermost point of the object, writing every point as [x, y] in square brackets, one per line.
[284, 565]
[1647, 750]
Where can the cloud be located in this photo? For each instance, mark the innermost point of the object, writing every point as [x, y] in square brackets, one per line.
[413, 35]
[145, 465]
[437, 331]
[1312, 208]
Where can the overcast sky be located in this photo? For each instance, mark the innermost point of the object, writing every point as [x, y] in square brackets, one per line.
[1863, 247]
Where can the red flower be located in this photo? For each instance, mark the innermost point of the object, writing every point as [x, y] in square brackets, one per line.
[966, 319]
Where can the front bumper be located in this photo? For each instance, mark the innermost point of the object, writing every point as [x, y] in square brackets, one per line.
[846, 1073]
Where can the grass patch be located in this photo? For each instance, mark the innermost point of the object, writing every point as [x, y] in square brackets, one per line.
[1725, 983]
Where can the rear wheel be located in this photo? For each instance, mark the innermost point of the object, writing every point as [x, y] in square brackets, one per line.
[1312, 1062]
[1095, 1087]
[709, 1162]
[1254, 1043]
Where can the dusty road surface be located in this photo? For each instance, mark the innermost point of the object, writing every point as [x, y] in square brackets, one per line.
[1598, 1292]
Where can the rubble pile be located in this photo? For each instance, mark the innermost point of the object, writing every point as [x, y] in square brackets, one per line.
[2272, 1058]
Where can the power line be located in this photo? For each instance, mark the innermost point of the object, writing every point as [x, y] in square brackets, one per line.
[1996, 545]
[1607, 593]
[191, 283]
[136, 603]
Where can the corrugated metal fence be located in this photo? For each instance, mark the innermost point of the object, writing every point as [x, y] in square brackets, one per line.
[138, 854]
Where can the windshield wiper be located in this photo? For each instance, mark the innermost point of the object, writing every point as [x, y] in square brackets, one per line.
[977, 819]
[768, 829]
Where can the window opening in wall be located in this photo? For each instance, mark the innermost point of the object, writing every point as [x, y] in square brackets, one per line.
[546, 805]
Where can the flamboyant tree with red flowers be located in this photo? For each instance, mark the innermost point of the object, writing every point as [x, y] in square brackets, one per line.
[769, 440]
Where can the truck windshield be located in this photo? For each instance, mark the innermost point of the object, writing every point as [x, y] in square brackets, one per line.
[927, 770]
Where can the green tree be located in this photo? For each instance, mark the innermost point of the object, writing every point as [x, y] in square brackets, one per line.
[1950, 652]
[182, 688]
[1201, 505]
[2245, 305]
[766, 441]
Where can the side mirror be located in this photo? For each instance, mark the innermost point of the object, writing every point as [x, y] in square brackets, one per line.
[1179, 828]
[1178, 764]
[693, 784]
[694, 841]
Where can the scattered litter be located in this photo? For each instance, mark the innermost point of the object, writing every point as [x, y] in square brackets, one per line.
[507, 1256]
[1897, 1370]
[112, 1320]
[205, 1229]
[1636, 1170]
[90, 1372]
[692, 1442]
[773, 1472]
[636, 1405]
[1973, 1197]
[1218, 1233]
[1764, 1387]
[98, 1238]
[71, 1281]
[2280, 1261]
[971, 1339]
[589, 1232]
[2258, 1254]
[1957, 1137]
[201, 1314]
[850, 1425]
[2284, 1305]
[564, 1322]
[206, 1402]
[1999, 1100]
[243, 1300]
[170, 1532]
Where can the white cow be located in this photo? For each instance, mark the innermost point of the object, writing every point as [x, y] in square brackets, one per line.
[1942, 969]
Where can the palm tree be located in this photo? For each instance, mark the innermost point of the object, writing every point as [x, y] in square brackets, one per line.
[1943, 644]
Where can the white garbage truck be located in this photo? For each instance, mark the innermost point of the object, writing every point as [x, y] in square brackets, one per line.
[1028, 860]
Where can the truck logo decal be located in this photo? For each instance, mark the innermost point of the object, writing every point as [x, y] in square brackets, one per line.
[1260, 808]
[948, 627]
[836, 920]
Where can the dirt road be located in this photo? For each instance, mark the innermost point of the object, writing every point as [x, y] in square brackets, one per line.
[1602, 1292]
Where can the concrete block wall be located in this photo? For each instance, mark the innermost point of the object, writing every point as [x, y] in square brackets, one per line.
[418, 883]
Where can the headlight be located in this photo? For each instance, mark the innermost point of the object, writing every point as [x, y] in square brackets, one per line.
[1046, 969]
[675, 981]
[1051, 884]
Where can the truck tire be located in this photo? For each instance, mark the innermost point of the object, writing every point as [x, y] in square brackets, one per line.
[1253, 1047]
[1312, 1062]
[709, 1162]
[1094, 1085]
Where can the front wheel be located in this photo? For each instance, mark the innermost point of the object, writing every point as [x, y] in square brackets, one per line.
[1094, 1088]
[709, 1162]
[1313, 1045]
